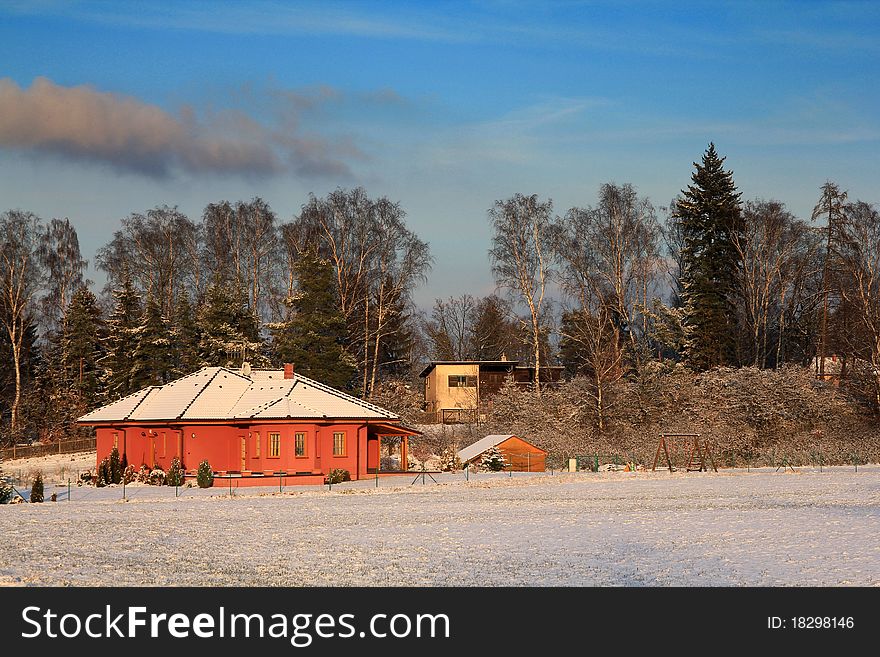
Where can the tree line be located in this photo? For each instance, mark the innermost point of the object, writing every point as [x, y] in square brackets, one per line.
[610, 291]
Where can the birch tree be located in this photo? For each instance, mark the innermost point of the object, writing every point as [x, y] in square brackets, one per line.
[521, 258]
[610, 254]
[20, 280]
[859, 255]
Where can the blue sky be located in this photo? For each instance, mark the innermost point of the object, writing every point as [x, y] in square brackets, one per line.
[445, 107]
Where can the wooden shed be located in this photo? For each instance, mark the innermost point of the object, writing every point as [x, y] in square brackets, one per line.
[522, 455]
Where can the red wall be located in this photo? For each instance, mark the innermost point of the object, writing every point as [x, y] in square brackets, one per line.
[221, 446]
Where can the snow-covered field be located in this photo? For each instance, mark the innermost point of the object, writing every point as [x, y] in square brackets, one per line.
[611, 529]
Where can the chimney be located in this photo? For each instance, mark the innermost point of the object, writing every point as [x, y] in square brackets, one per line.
[288, 370]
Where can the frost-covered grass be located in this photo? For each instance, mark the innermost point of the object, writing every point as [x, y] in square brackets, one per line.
[612, 529]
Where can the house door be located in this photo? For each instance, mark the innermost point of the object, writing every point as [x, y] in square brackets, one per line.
[243, 453]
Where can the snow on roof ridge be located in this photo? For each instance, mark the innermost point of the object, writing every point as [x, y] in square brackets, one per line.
[199, 393]
[351, 398]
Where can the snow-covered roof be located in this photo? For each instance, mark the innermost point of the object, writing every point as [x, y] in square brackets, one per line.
[477, 448]
[218, 393]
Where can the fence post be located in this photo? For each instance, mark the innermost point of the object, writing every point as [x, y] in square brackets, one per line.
[68, 489]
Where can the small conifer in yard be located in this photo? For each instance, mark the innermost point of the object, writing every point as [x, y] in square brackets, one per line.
[115, 468]
[175, 474]
[205, 476]
[493, 460]
[37, 488]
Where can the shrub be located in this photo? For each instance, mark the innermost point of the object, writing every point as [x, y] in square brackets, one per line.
[37, 488]
[205, 476]
[103, 476]
[493, 460]
[114, 470]
[175, 476]
[143, 475]
[157, 476]
[337, 476]
[129, 475]
[449, 460]
[5, 490]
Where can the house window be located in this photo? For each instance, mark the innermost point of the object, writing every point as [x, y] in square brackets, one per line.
[339, 443]
[164, 445]
[116, 440]
[274, 445]
[299, 444]
[256, 444]
[462, 382]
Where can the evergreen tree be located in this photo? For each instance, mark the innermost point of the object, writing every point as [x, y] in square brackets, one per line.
[493, 460]
[121, 342]
[185, 334]
[396, 341]
[230, 331]
[5, 487]
[81, 348]
[314, 336]
[37, 488]
[710, 216]
[153, 358]
[494, 334]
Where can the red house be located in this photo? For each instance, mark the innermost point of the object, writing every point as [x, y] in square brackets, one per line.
[251, 423]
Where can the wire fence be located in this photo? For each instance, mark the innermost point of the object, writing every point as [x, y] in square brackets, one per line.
[777, 459]
[60, 447]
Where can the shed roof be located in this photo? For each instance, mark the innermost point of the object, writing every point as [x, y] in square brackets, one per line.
[477, 448]
[219, 393]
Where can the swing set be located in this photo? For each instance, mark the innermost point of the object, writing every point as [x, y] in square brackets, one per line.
[699, 451]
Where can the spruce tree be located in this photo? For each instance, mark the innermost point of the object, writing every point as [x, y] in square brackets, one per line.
[81, 348]
[396, 342]
[229, 329]
[314, 335]
[185, 334]
[121, 342]
[711, 218]
[153, 358]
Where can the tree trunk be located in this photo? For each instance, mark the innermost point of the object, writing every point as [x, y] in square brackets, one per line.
[16, 357]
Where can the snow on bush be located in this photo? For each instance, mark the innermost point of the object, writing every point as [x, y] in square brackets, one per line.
[157, 477]
[493, 460]
[205, 476]
[337, 476]
[175, 475]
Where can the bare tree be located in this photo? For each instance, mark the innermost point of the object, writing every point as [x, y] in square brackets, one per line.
[20, 279]
[63, 263]
[859, 254]
[771, 246]
[376, 259]
[610, 259]
[591, 339]
[402, 261]
[159, 249]
[451, 327]
[521, 258]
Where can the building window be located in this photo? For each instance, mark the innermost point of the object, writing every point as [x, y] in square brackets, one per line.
[299, 444]
[339, 443]
[274, 445]
[116, 440]
[462, 382]
[164, 445]
[256, 444]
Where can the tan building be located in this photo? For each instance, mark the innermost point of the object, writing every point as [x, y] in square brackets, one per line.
[461, 390]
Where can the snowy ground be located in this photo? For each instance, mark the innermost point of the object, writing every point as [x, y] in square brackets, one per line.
[611, 529]
[55, 467]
